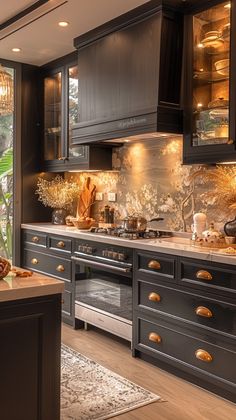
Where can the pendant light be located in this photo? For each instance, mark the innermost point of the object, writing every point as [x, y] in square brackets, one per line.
[6, 92]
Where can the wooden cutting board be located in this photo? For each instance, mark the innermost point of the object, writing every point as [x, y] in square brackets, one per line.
[86, 199]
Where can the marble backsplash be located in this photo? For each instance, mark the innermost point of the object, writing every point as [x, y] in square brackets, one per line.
[150, 180]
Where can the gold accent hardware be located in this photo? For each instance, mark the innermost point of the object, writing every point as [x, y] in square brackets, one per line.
[155, 338]
[60, 268]
[154, 264]
[203, 311]
[35, 239]
[34, 261]
[61, 244]
[203, 355]
[62, 301]
[154, 297]
[204, 275]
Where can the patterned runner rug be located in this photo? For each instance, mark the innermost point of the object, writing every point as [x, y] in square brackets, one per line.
[89, 391]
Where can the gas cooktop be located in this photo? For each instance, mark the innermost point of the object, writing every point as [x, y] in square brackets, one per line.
[128, 234]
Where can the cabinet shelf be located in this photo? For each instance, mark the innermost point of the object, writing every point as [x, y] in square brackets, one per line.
[203, 78]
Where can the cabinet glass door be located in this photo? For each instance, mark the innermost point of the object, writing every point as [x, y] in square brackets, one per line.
[211, 61]
[53, 116]
[76, 152]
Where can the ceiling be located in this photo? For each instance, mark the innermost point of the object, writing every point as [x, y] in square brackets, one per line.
[38, 34]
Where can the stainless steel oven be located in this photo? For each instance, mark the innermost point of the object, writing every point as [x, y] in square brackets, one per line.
[103, 294]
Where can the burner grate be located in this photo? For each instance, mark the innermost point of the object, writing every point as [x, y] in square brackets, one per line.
[130, 234]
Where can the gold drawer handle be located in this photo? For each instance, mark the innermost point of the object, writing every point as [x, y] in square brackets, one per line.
[154, 264]
[203, 355]
[203, 311]
[35, 239]
[61, 244]
[204, 275]
[60, 268]
[34, 261]
[154, 297]
[156, 338]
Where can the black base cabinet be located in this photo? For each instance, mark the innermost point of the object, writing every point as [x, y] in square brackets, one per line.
[30, 337]
[185, 323]
[51, 255]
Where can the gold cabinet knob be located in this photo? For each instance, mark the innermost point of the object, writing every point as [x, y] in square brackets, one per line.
[61, 244]
[203, 355]
[34, 261]
[60, 268]
[154, 297]
[155, 338]
[35, 239]
[203, 311]
[62, 301]
[154, 264]
[204, 275]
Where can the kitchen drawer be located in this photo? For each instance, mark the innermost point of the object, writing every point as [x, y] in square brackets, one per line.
[35, 238]
[156, 265]
[48, 264]
[162, 339]
[215, 277]
[60, 244]
[195, 308]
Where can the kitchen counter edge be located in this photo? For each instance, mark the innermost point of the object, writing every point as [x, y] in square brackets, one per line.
[15, 288]
[153, 245]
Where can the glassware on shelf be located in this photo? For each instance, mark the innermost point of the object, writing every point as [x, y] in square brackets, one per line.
[218, 103]
[212, 39]
[211, 64]
[222, 67]
[226, 31]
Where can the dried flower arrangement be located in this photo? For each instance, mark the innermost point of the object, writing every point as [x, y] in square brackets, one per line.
[58, 193]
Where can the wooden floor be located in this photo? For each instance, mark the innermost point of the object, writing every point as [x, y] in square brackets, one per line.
[183, 400]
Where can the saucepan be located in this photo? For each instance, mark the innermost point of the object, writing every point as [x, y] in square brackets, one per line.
[137, 223]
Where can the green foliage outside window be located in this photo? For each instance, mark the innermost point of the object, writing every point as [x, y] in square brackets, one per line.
[6, 185]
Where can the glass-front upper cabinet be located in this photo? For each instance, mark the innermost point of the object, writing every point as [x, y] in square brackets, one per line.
[74, 152]
[53, 116]
[208, 136]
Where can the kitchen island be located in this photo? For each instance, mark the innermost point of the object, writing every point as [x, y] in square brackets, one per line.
[30, 337]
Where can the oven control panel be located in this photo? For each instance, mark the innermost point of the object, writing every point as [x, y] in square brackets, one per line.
[104, 251]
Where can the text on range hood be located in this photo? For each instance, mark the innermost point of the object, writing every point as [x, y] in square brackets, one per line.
[130, 75]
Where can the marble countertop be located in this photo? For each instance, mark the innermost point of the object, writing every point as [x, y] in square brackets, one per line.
[14, 288]
[180, 245]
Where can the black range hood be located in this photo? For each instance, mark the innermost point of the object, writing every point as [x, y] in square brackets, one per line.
[130, 75]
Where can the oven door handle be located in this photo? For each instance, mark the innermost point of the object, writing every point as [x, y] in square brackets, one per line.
[101, 265]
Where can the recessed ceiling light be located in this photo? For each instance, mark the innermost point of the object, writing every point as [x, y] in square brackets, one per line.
[15, 49]
[63, 24]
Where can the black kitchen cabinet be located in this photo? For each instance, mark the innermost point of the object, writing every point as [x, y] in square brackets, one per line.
[210, 82]
[185, 323]
[60, 92]
[30, 335]
[51, 255]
